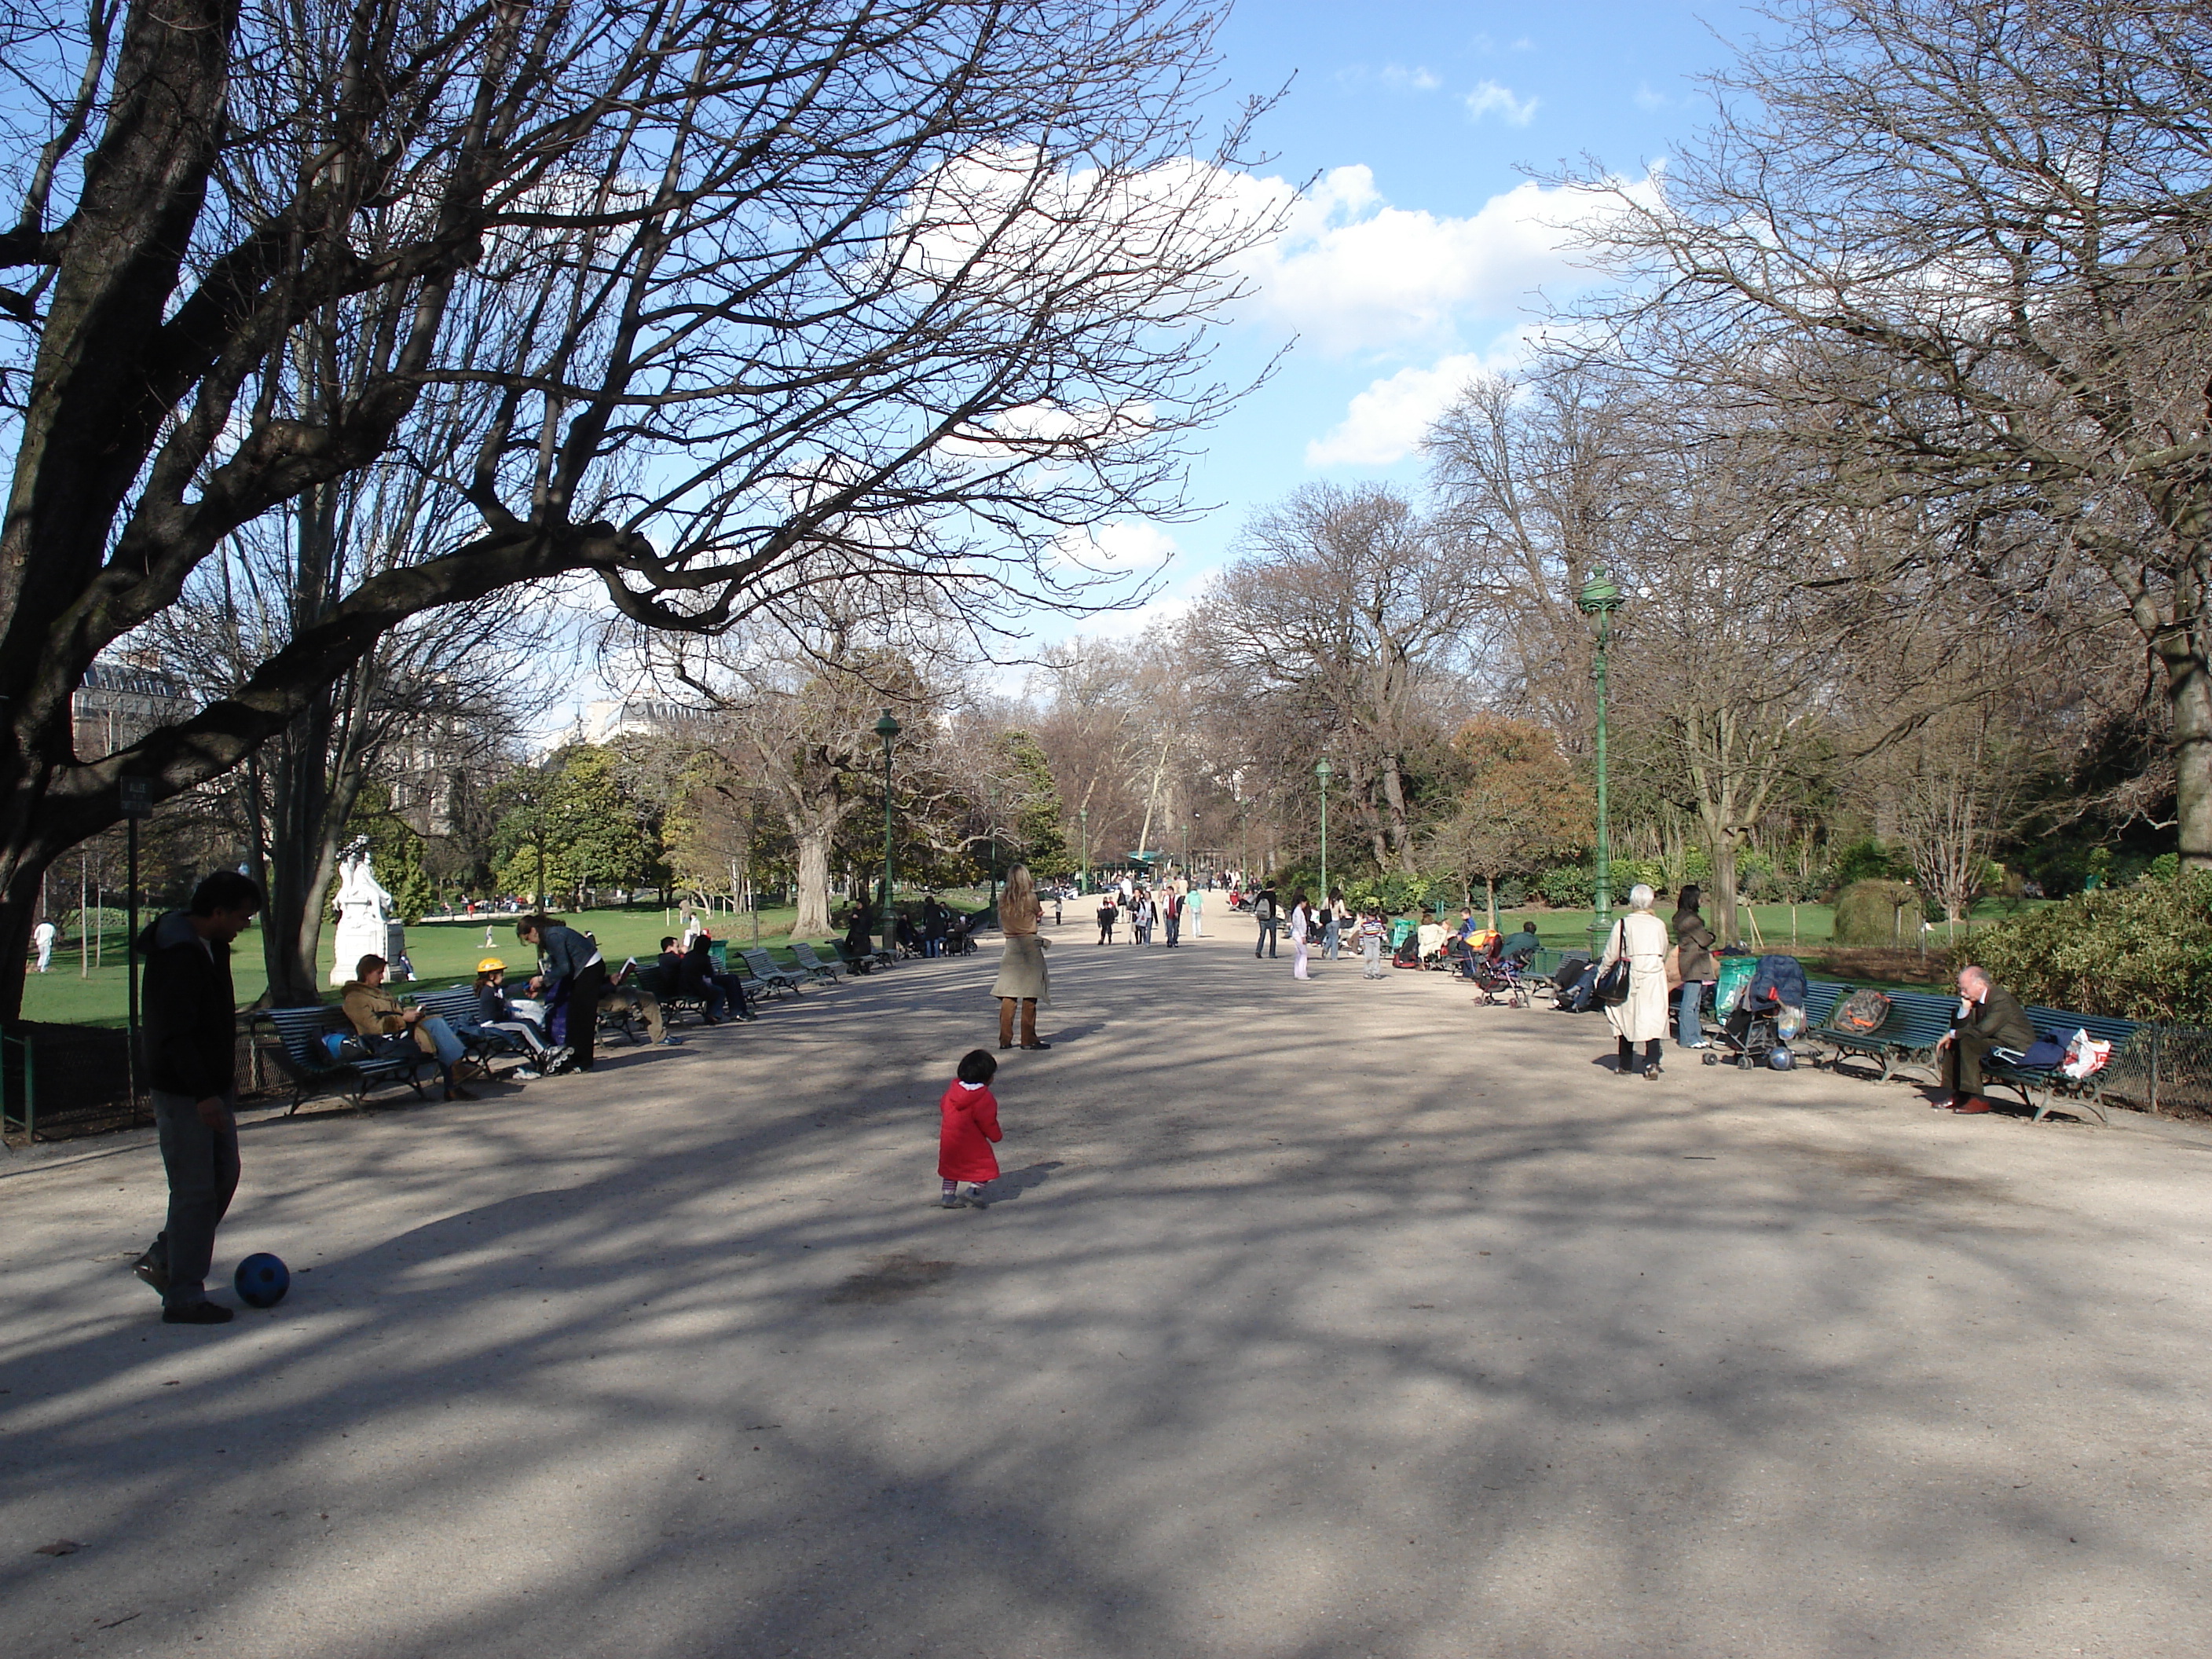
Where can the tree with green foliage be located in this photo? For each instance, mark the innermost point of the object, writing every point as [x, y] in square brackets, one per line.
[572, 825]
[1038, 815]
[1523, 805]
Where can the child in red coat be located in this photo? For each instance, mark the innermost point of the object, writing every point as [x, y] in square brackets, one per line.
[968, 1124]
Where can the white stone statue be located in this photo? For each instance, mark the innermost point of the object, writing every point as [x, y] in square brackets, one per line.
[365, 925]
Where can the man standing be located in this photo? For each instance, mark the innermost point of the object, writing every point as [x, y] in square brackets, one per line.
[190, 1044]
[1263, 908]
[1989, 1017]
[1172, 911]
[43, 937]
[572, 973]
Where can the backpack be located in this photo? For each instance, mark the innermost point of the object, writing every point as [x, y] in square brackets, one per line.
[1862, 1011]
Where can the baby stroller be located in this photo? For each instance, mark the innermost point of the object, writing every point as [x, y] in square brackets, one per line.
[1761, 1004]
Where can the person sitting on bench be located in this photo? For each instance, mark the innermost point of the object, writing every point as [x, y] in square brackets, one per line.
[623, 1000]
[495, 1014]
[1989, 1017]
[375, 1012]
[696, 977]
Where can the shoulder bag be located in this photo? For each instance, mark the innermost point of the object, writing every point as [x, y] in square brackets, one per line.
[1612, 988]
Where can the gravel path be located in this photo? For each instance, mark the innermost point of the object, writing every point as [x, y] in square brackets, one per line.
[1334, 1319]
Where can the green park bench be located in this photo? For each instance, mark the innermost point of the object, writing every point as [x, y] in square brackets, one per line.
[1917, 1023]
[2045, 1089]
[305, 1059]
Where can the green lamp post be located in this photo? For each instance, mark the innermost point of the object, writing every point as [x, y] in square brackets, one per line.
[887, 728]
[1084, 813]
[1600, 597]
[1322, 770]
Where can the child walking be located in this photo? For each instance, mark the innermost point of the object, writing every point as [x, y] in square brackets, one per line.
[967, 1122]
[1372, 931]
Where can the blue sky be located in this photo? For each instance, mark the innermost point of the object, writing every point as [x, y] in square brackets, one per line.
[1421, 246]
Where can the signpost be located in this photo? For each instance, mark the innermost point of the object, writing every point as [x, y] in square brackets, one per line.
[135, 797]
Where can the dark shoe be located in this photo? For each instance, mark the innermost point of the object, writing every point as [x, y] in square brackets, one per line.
[1036, 1045]
[1971, 1103]
[1004, 1046]
[1944, 1102]
[197, 1313]
[1651, 1071]
[154, 1270]
[708, 1019]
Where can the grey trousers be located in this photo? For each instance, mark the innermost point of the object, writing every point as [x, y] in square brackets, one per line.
[202, 1169]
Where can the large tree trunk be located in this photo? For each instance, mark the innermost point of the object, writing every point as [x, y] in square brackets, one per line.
[813, 919]
[2188, 688]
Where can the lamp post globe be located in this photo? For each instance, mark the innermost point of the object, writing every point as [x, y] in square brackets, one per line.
[1601, 596]
[887, 729]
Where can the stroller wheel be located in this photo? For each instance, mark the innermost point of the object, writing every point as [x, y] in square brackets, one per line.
[1712, 1060]
[1744, 1062]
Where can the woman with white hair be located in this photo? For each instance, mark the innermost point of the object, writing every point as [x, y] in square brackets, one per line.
[1641, 938]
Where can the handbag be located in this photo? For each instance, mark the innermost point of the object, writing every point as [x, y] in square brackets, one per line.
[1612, 988]
[1674, 968]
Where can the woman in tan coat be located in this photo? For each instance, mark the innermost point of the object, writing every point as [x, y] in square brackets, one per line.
[1021, 976]
[1641, 938]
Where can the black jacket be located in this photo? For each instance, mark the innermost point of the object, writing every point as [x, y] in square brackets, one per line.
[189, 1033]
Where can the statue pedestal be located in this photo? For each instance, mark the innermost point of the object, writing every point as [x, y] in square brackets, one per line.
[359, 937]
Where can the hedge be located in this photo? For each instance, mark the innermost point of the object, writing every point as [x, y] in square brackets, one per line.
[2140, 952]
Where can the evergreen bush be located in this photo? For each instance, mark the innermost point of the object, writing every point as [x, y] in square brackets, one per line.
[1867, 914]
[1569, 887]
[2140, 952]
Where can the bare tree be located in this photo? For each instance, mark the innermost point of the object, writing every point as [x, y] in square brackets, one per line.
[1960, 252]
[825, 292]
[1347, 617]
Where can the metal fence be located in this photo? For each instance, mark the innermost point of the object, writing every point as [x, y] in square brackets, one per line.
[2164, 1069]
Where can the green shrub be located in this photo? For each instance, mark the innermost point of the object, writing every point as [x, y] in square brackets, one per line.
[1569, 887]
[1512, 894]
[1867, 860]
[1867, 914]
[2142, 952]
[2165, 868]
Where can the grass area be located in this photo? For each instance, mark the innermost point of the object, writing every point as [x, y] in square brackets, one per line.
[445, 953]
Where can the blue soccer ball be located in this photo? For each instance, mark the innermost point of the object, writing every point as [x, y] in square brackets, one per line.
[262, 1280]
[1780, 1058]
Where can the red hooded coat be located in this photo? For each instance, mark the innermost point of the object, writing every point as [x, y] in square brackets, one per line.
[970, 1123]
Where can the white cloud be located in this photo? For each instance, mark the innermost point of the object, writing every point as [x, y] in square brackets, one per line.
[1119, 548]
[1490, 99]
[1386, 422]
[1648, 99]
[1351, 273]
[1396, 77]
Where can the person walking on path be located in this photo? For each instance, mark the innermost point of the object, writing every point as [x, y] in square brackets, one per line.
[1372, 933]
[1641, 938]
[967, 1124]
[1023, 980]
[1301, 924]
[1693, 947]
[1107, 917]
[1172, 913]
[1332, 925]
[1264, 912]
[572, 973]
[1989, 1017]
[1194, 908]
[190, 1041]
[43, 936]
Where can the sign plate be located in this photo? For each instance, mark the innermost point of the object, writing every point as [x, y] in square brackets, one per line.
[136, 797]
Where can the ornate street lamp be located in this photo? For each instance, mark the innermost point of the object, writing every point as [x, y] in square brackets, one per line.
[1322, 770]
[887, 728]
[1600, 597]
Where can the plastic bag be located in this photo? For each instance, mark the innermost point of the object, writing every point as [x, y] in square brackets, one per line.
[2084, 1055]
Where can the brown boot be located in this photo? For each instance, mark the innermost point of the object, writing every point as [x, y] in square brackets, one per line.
[1029, 1025]
[1006, 1022]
